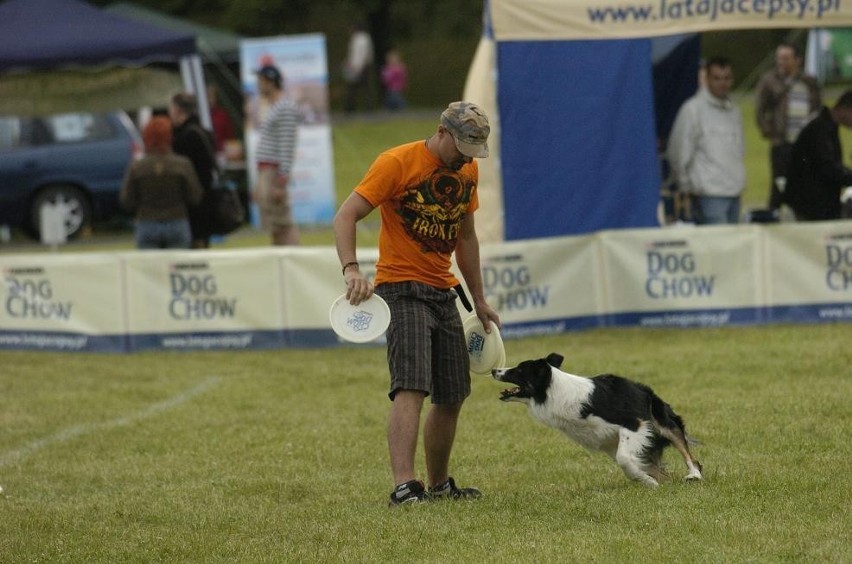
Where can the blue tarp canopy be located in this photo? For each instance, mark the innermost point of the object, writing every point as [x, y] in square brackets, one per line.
[53, 34]
[213, 44]
[581, 94]
[578, 148]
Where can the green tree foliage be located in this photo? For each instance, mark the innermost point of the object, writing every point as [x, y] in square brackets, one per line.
[437, 38]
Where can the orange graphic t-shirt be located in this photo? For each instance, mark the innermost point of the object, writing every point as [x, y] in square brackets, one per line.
[422, 204]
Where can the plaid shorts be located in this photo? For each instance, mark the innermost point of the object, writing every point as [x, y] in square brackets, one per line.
[426, 348]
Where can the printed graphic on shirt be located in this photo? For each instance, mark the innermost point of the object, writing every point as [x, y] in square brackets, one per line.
[432, 211]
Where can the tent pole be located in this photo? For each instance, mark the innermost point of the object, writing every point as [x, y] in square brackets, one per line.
[193, 81]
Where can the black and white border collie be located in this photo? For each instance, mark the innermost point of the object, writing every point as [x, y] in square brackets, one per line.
[622, 418]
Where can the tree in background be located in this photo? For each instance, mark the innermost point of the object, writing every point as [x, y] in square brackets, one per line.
[437, 38]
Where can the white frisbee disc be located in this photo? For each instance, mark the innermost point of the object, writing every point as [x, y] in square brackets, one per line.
[486, 350]
[502, 363]
[361, 323]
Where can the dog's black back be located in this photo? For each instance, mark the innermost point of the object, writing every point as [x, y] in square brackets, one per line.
[625, 402]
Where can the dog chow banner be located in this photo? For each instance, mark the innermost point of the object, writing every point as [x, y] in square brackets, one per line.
[210, 300]
[687, 277]
[809, 270]
[543, 286]
[65, 303]
[277, 297]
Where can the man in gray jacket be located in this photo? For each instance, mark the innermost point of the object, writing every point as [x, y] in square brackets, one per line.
[785, 98]
[706, 148]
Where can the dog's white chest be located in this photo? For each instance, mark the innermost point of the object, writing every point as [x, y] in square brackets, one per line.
[592, 432]
[563, 411]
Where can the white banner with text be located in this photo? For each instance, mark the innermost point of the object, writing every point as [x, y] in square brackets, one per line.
[279, 296]
[548, 20]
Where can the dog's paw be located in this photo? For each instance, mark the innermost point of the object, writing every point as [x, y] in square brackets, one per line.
[693, 477]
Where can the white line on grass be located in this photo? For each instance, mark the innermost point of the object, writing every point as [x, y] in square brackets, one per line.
[66, 435]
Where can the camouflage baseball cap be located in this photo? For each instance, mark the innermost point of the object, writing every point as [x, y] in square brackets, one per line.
[468, 125]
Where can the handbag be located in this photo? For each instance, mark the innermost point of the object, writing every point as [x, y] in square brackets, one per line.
[228, 211]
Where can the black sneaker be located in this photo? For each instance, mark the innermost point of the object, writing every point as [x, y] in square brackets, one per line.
[410, 492]
[448, 490]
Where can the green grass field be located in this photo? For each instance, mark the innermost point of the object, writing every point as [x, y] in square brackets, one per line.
[279, 456]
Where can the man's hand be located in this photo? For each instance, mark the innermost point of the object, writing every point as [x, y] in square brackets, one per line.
[486, 313]
[358, 288]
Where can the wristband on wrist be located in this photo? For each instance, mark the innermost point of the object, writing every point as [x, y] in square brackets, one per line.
[347, 265]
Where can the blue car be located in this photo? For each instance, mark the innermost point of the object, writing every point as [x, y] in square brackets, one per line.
[74, 159]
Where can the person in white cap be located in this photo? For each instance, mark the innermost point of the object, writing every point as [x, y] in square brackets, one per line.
[426, 192]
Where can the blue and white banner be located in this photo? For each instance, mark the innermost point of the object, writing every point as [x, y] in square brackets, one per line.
[543, 20]
[217, 299]
[683, 277]
[543, 288]
[303, 62]
[809, 273]
[62, 302]
[279, 297]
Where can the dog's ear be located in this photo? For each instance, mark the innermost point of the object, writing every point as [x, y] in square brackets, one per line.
[555, 360]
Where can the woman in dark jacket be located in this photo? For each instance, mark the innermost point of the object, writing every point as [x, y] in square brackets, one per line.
[160, 189]
[196, 143]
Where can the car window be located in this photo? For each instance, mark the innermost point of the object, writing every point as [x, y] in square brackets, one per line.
[10, 132]
[76, 127]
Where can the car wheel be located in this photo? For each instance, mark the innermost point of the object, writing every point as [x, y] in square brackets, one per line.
[78, 211]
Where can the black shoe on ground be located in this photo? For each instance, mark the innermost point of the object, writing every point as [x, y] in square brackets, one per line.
[448, 490]
[410, 492]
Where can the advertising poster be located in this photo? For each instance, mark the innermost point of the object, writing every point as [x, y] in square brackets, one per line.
[302, 60]
[810, 272]
[214, 300]
[691, 277]
[543, 20]
[64, 303]
[279, 297]
[542, 287]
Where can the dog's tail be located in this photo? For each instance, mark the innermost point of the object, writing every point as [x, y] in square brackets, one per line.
[664, 415]
[672, 428]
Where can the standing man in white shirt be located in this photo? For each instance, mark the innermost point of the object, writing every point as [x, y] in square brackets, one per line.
[356, 68]
[785, 98]
[275, 154]
[706, 149]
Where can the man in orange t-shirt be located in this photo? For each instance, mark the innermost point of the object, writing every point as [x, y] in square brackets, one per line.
[426, 192]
